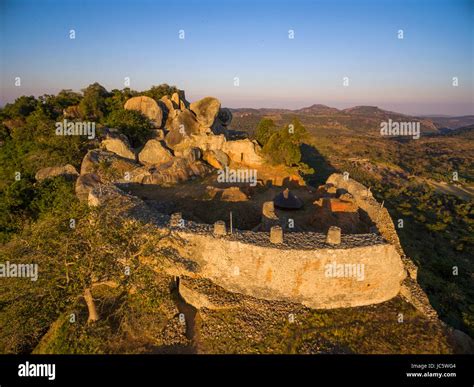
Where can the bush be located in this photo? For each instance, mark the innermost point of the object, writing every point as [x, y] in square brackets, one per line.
[265, 129]
[22, 107]
[92, 105]
[131, 123]
[283, 147]
[156, 92]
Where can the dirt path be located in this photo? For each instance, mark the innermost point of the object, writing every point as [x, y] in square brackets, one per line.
[463, 193]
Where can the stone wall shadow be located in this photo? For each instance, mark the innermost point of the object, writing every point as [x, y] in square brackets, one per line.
[246, 214]
[322, 167]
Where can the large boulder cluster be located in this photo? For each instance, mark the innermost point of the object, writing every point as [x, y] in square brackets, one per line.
[189, 140]
[196, 131]
[180, 119]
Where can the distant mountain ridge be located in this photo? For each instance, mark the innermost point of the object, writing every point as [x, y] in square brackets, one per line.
[361, 119]
[318, 109]
[432, 122]
[451, 122]
[464, 132]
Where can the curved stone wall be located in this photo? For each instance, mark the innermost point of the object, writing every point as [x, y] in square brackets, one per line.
[361, 269]
[298, 274]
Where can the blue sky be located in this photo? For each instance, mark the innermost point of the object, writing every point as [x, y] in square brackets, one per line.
[249, 40]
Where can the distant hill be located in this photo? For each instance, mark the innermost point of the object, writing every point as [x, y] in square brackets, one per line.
[465, 132]
[318, 118]
[449, 122]
[368, 110]
[318, 109]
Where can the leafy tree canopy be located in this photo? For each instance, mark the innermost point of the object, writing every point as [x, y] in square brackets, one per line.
[22, 107]
[265, 129]
[156, 92]
[92, 105]
[131, 123]
[283, 146]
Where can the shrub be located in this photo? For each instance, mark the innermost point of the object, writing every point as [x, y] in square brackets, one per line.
[131, 123]
[265, 129]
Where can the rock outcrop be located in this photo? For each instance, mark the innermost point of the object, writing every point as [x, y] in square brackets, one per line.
[192, 153]
[85, 183]
[206, 110]
[167, 102]
[181, 120]
[118, 144]
[182, 125]
[243, 151]
[175, 171]
[154, 153]
[216, 158]
[179, 102]
[202, 141]
[148, 107]
[68, 171]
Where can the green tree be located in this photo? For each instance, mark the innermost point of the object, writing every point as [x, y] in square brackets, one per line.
[117, 99]
[72, 262]
[22, 107]
[53, 105]
[283, 147]
[131, 123]
[265, 129]
[156, 92]
[66, 98]
[92, 105]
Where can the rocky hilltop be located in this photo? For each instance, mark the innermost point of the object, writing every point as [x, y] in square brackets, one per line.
[189, 140]
[215, 266]
[192, 140]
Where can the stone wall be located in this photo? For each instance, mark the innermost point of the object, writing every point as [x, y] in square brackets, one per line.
[378, 214]
[294, 269]
[298, 273]
[410, 289]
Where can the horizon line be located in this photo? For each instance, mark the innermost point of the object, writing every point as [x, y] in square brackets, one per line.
[260, 107]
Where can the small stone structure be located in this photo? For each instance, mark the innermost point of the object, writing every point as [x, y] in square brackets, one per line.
[269, 217]
[276, 234]
[334, 236]
[219, 228]
[176, 220]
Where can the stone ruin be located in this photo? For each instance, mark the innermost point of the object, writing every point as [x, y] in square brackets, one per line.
[191, 140]
[277, 265]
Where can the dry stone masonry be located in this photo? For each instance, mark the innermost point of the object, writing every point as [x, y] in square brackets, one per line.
[317, 269]
[280, 266]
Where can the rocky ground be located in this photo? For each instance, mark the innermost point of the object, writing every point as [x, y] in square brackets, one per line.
[224, 322]
[233, 323]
